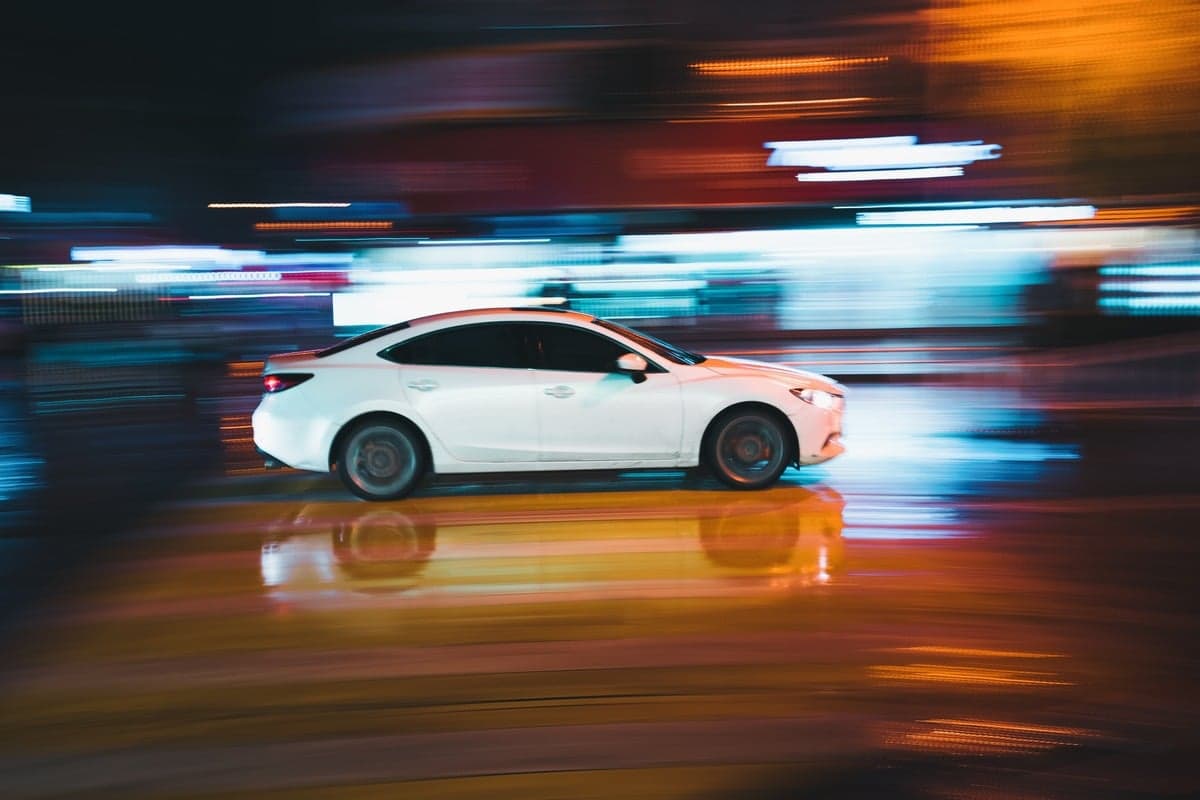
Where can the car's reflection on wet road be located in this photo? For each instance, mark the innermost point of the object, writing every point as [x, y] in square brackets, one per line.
[436, 551]
[1000, 633]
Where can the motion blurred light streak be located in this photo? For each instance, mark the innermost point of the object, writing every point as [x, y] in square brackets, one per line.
[1164, 304]
[78, 290]
[986, 737]
[880, 175]
[780, 67]
[331, 225]
[255, 295]
[972, 652]
[15, 203]
[208, 277]
[985, 676]
[892, 152]
[162, 253]
[976, 216]
[1153, 271]
[1152, 287]
[1010, 727]
[482, 241]
[279, 205]
[787, 103]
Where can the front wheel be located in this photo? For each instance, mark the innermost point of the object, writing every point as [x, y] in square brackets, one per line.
[747, 449]
[381, 460]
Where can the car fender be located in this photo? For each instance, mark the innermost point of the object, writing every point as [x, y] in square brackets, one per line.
[438, 453]
[706, 398]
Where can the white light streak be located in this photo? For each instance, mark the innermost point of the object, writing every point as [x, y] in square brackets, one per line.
[881, 175]
[299, 259]
[1152, 271]
[481, 241]
[1152, 287]
[177, 256]
[357, 309]
[208, 277]
[255, 295]
[887, 152]
[977, 216]
[16, 203]
[88, 290]
[166, 254]
[278, 205]
[95, 267]
[1165, 303]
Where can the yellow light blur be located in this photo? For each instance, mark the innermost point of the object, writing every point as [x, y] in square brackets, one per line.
[985, 676]
[759, 67]
[245, 369]
[786, 103]
[972, 652]
[984, 737]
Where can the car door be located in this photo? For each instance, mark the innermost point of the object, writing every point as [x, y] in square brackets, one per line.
[472, 387]
[590, 412]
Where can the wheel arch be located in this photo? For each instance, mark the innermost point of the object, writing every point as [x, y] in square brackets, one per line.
[335, 446]
[789, 430]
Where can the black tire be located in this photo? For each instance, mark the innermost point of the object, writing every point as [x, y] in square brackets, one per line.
[747, 448]
[381, 459]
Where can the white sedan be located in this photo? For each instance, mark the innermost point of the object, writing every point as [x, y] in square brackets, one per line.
[537, 389]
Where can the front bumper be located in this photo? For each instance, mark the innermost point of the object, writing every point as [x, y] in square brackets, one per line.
[819, 434]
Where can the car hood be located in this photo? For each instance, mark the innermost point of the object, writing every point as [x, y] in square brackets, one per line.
[726, 365]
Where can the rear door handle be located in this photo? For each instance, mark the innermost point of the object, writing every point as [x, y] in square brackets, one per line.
[561, 392]
[423, 385]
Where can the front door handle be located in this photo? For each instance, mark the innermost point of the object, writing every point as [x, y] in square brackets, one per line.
[561, 392]
[423, 385]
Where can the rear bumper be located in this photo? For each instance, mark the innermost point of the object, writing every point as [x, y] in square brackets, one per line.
[270, 461]
[290, 437]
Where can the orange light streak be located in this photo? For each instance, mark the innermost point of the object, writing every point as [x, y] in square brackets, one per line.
[799, 65]
[1128, 216]
[972, 652]
[785, 103]
[245, 369]
[937, 673]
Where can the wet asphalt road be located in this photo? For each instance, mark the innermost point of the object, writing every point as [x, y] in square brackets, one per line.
[987, 597]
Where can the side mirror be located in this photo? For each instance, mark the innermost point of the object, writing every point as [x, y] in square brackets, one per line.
[634, 366]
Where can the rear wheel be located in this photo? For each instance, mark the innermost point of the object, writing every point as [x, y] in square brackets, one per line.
[381, 460]
[747, 449]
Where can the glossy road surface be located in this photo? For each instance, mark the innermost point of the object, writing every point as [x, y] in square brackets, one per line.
[981, 600]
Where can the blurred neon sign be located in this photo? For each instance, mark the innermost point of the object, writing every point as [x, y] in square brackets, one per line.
[878, 158]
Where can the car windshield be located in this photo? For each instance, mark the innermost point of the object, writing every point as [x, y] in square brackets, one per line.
[362, 337]
[656, 346]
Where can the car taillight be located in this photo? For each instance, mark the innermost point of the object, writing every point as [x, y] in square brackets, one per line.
[278, 381]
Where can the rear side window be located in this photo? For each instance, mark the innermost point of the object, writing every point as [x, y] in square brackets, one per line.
[496, 344]
[569, 349]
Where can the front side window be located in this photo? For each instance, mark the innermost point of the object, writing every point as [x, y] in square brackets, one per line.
[654, 345]
[496, 344]
[569, 349]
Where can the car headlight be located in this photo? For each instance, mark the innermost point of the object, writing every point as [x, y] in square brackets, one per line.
[819, 398]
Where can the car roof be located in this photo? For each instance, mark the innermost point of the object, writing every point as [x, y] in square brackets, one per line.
[519, 313]
[524, 313]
